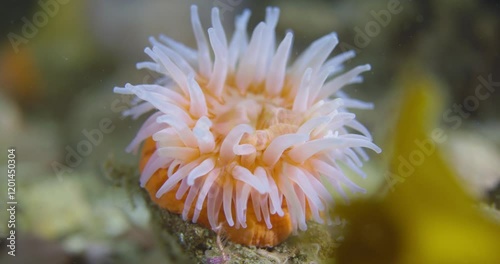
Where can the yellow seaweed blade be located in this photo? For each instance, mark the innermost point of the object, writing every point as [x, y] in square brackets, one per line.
[427, 217]
[416, 158]
[441, 223]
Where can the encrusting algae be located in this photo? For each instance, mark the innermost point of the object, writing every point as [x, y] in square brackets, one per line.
[245, 142]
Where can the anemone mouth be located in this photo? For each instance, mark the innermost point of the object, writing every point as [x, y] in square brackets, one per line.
[255, 110]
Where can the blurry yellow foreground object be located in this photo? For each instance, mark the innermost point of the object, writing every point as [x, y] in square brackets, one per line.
[426, 217]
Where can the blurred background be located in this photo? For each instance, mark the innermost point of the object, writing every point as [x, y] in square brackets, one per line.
[60, 59]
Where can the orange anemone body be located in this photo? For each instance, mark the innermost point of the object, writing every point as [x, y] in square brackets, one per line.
[255, 234]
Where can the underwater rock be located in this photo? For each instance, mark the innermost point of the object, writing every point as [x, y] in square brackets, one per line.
[186, 242]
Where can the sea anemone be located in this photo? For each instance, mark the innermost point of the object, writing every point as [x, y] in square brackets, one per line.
[240, 139]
